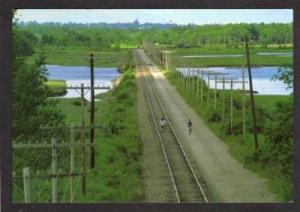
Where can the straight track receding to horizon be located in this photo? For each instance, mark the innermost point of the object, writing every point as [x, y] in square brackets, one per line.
[186, 185]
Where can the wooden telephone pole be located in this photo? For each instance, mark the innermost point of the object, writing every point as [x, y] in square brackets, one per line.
[244, 105]
[83, 180]
[251, 95]
[231, 81]
[92, 132]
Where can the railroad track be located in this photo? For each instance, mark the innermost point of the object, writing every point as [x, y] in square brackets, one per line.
[185, 183]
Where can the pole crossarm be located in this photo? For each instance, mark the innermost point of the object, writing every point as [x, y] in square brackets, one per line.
[75, 127]
[49, 176]
[229, 81]
[97, 87]
[49, 145]
[208, 72]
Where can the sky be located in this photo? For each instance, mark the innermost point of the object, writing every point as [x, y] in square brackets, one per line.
[186, 16]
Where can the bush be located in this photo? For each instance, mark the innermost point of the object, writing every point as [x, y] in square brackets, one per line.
[214, 116]
[261, 116]
[279, 135]
[78, 102]
[276, 151]
[237, 126]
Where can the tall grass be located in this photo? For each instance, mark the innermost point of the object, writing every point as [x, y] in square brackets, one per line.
[117, 175]
[242, 150]
[57, 87]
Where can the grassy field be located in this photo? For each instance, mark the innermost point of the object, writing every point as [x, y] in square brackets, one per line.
[80, 57]
[256, 60]
[57, 87]
[239, 148]
[268, 101]
[117, 176]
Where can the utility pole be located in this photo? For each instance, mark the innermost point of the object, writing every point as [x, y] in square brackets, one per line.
[54, 171]
[215, 105]
[208, 80]
[223, 109]
[177, 64]
[189, 80]
[72, 158]
[184, 75]
[231, 81]
[208, 85]
[251, 95]
[244, 106]
[231, 105]
[27, 185]
[198, 79]
[92, 132]
[202, 82]
[216, 82]
[83, 180]
[193, 79]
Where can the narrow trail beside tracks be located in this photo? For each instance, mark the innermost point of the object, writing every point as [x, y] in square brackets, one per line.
[224, 178]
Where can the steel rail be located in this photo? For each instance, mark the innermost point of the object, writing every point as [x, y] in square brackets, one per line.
[162, 144]
[179, 143]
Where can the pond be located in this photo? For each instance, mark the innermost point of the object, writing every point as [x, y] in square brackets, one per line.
[214, 56]
[261, 78]
[279, 54]
[75, 75]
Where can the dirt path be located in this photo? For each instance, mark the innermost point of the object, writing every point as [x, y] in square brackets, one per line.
[226, 178]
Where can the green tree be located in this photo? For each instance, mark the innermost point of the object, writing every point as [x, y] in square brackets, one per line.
[31, 108]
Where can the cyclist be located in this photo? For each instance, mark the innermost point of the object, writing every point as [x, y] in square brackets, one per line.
[162, 123]
[189, 125]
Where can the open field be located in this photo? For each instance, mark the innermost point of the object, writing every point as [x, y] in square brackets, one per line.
[80, 57]
[57, 87]
[269, 101]
[256, 60]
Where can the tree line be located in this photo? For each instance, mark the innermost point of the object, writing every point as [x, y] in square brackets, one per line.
[99, 38]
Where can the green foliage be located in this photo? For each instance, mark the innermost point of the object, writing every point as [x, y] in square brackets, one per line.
[56, 87]
[30, 107]
[23, 42]
[214, 116]
[120, 144]
[279, 135]
[236, 128]
[285, 74]
[101, 38]
[69, 44]
[261, 116]
[274, 159]
[277, 150]
[117, 176]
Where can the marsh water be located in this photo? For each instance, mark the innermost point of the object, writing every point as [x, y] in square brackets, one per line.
[261, 77]
[75, 75]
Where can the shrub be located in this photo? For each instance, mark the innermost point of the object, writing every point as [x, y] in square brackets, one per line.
[236, 126]
[261, 116]
[214, 116]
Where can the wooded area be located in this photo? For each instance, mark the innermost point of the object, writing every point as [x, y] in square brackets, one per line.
[99, 38]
